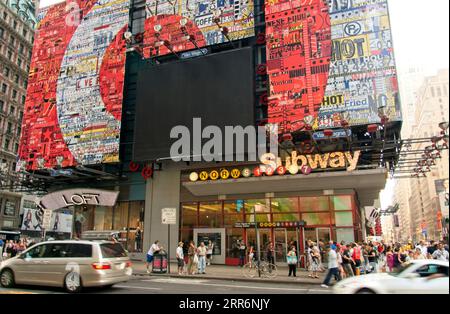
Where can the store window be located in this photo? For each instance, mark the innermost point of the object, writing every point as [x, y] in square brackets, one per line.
[314, 204]
[280, 205]
[345, 234]
[210, 215]
[259, 218]
[343, 219]
[315, 219]
[286, 217]
[342, 202]
[232, 238]
[260, 206]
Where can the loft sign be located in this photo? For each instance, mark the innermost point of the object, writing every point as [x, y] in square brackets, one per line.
[70, 197]
[82, 199]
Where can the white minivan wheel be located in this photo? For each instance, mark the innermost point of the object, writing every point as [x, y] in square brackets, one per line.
[72, 282]
[7, 278]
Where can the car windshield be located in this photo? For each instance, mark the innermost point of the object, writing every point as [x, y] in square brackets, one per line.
[111, 250]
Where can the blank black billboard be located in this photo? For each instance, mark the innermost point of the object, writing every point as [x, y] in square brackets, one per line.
[217, 88]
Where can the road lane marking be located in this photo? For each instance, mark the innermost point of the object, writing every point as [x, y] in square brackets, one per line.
[136, 287]
[232, 286]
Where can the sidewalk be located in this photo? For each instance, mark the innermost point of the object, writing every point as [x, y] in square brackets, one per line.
[233, 273]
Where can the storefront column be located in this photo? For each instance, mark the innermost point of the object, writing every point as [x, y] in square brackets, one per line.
[162, 191]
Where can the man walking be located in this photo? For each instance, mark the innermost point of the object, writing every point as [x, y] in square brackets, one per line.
[180, 258]
[333, 267]
[347, 261]
[242, 252]
[440, 254]
[201, 258]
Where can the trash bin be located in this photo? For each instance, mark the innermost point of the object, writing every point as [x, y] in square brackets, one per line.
[159, 263]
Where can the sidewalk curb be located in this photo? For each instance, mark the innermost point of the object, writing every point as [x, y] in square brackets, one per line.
[264, 280]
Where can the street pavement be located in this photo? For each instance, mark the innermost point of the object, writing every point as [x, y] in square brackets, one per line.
[168, 285]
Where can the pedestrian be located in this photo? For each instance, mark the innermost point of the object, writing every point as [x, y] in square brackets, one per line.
[154, 249]
[333, 268]
[418, 254]
[180, 258]
[440, 254]
[356, 256]
[1, 249]
[431, 249]
[193, 259]
[390, 259]
[347, 261]
[209, 252]
[251, 255]
[423, 248]
[373, 258]
[315, 261]
[271, 253]
[242, 252]
[292, 261]
[201, 251]
[340, 260]
[138, 239]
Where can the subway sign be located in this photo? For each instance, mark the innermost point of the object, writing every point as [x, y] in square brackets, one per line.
[292, 165]
[283, 224]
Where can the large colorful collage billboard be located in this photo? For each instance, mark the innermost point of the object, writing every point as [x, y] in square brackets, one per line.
[189, 24]
[75, 88]
[329, 60]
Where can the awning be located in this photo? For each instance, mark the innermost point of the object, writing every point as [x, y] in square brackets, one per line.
[367, 184]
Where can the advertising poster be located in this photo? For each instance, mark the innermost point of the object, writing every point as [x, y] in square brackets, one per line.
[329, 60]
[74, 99]
[236, 15]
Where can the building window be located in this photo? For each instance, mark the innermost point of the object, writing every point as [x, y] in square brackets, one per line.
[433, 94]
[21, 48]
[10, 55]
[6, 144]
[4, 88]
[2, 104]
[9, 129]
[24, 33]
[439, 91]
[16, 79]
[10, 208]
[23, 100]
[5, 16]
[6, 72]
[12, 40]
[2, 31]
[12, 110]
[21, 114]
[15, 24]
[19, 62]
[14, 94]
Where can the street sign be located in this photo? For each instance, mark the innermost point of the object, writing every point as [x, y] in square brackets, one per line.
[169, 216]
[47, 218]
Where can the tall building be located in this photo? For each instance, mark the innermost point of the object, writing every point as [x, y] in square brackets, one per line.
[17, 22]
[430, 110]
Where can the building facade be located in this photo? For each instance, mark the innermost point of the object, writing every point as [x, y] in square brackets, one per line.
[431, 109]
[221, 66]
[17, 22]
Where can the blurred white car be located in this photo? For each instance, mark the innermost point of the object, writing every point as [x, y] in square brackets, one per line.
[419, 277]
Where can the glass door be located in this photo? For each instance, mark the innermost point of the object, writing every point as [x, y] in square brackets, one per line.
[280, 245]
[323, 236]
[264, 240]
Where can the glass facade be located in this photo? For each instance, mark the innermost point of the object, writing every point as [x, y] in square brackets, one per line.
[327, 218]
[125, 216]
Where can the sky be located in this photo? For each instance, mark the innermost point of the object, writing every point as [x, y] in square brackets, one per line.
[420, 30]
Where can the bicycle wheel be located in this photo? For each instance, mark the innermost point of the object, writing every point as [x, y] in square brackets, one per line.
[249, 270]
[269, 270]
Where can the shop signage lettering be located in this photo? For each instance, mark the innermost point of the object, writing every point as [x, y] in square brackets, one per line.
[65, 198]
[322, 161]
[272, 165]
[281, 224]
[81, 199]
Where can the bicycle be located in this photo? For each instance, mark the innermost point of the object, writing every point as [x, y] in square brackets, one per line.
[267, 270]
